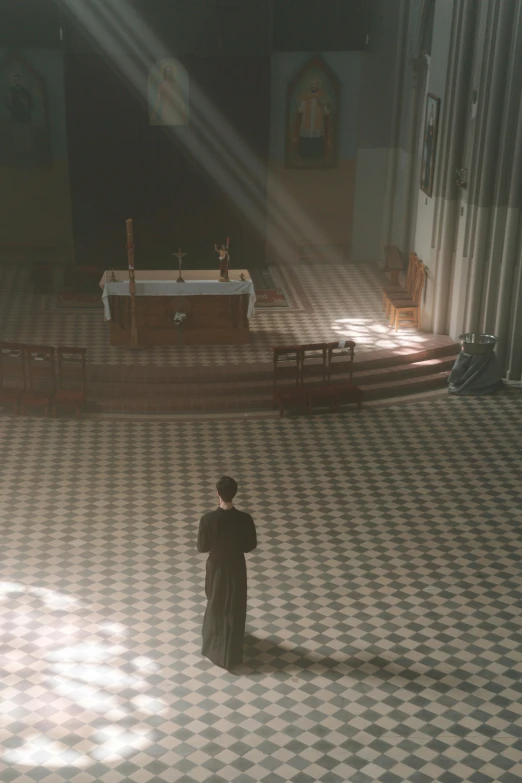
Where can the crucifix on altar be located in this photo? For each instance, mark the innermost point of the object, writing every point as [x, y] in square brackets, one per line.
[179, 255]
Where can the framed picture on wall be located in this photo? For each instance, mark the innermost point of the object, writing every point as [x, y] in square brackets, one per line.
[168, 94]
[312, 117]
[24, 123]
[429, 143]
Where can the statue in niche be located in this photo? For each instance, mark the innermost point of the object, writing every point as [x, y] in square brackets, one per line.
[312, 112]
[168, 94]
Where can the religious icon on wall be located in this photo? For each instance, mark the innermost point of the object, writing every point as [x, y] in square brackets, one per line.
[24, 125]
[429, 143]
[168, 94]
[312, 117]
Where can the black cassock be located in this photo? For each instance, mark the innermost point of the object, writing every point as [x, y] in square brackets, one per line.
[226, 535]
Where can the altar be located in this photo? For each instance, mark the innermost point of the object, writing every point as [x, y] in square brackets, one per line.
[199, 311]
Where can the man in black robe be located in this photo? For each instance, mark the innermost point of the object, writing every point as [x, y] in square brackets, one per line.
[226, 534]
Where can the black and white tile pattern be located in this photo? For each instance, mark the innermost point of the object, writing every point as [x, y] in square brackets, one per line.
[346, 301]
[385, 599]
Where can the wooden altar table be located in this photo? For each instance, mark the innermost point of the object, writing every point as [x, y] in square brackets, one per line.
[216, 313]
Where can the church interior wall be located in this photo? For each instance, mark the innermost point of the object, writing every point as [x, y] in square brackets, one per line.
[435, 84]
[375, 109]
[35, 219]
[469, 234]
[324, 198]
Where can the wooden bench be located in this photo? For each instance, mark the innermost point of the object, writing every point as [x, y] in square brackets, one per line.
[305, 391]
[28, 377]
[13, 376]
[290, 392]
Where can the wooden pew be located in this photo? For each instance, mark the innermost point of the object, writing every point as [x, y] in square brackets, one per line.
[302, 387]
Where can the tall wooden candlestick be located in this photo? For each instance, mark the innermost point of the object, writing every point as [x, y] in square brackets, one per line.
[132, 283]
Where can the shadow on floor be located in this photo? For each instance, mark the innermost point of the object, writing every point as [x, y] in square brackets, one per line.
[262, 656]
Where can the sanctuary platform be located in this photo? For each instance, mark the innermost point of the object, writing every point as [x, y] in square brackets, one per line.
[321, 304]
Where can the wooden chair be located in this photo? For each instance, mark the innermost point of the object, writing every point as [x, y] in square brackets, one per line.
[391, 291]
[12, 384]
[404, 310]
[40, 385]
[314, 387]
[334, 393]
[286, 353]
[74, 359]
[290, 392]
[393, 264]
[311, 352]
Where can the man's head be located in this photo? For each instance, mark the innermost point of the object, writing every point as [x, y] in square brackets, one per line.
[315, 84]
[16, 80]
[227, 489]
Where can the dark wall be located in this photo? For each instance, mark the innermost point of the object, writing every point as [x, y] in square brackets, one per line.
[327, 25]
[243, 27]
[202, 27]
[121, 167]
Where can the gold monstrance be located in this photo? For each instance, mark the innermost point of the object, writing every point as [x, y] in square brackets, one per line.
[179, 255]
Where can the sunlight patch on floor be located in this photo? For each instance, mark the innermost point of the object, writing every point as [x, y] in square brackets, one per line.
[367, 332]
[75, 676]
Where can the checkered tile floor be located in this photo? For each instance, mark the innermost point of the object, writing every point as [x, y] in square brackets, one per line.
[346, 300]
[384, 626]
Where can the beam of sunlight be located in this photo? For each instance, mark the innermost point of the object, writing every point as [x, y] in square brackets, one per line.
[124, 38]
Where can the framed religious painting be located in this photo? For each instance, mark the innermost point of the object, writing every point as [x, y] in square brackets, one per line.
[24, 123]
[168, 94]
[429, 143]
[312, 117]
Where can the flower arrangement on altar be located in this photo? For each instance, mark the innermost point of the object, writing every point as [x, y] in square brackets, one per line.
[179, 318]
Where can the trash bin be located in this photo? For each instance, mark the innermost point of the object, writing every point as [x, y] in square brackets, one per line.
[476, 370]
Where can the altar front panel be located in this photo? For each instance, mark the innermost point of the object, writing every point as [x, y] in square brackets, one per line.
[211, 320]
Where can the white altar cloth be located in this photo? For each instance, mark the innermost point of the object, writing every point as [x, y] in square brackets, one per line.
[163, 283]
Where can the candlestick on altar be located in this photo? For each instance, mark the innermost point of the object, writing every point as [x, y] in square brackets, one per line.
[132, 283]
[179, 255]
[112, 278]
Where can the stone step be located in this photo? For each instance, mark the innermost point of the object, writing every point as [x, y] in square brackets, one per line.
[120, 373]
[163, 391]
[255, 401]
